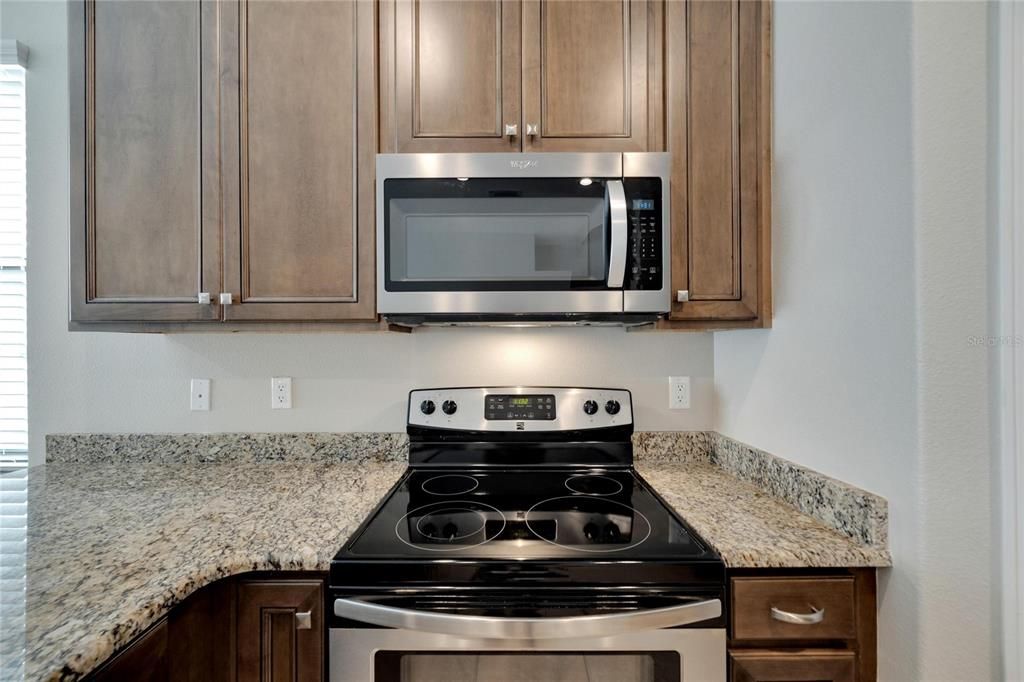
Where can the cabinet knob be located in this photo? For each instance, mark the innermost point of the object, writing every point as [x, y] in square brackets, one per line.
[532, 129]
[303, 620]
[225, 298]
[511, 130]
[682, 295]
[204, 298]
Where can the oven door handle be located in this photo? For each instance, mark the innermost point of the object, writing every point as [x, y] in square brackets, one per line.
[615, 196]
[606, 625]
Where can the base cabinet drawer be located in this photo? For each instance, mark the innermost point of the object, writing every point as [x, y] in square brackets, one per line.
[793, 608]
[792, 666]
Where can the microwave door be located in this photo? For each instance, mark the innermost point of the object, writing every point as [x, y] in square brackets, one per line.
[503, 245]
[615, 196]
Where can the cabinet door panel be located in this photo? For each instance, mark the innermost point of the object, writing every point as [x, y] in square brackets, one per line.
[139, 134]
[272, 647]
[300, 246]
[452, 75]
[591, 73]
[718, 121]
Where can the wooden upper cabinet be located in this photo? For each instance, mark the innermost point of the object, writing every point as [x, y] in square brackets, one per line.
[719, 104]
[280, 630]
[143, 243]
[300, 137]
[592, 75]
[450, 75]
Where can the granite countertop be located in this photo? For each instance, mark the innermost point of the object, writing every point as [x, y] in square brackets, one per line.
[112, 547]
[750, 528]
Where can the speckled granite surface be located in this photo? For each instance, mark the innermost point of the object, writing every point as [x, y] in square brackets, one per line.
[673, 446]
[112, 547]
[121, 528]
[852, 511]
[223, 447]
[749, 527]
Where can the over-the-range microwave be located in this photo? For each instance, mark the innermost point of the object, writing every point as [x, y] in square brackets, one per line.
[552, 238]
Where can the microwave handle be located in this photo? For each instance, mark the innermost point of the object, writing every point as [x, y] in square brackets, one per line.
[615, 197]
[604, 625]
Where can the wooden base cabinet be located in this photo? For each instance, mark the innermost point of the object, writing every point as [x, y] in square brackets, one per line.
[804, 626]
[253, 628]
[798, 666]
[280, 631]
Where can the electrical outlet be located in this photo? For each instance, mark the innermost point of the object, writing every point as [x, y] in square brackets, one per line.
[679, 393]
[281, 393]
[199, 392]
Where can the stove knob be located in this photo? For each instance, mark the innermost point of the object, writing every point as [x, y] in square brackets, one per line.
[427, 407]
[612, 407]
[449, 407]
[590, 407]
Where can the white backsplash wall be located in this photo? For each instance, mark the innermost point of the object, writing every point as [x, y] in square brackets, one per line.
[342, 382]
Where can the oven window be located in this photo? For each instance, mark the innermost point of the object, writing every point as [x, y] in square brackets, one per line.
[488, 234]
[644, 666]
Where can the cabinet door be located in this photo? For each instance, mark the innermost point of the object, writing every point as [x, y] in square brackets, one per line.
[145, 231]
[280, 631]
[785, 666]
[299, 99]
[719, 136]
[592, 75]
[144, 658]
[450, 75]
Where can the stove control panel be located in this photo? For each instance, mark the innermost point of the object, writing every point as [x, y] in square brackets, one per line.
[520, 408]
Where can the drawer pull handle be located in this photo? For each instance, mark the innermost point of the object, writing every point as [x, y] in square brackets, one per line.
[812, 618]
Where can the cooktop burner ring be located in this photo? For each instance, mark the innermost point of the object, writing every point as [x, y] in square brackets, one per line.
[597, 549]
[452, 505]
[614, 490]
[472, 484]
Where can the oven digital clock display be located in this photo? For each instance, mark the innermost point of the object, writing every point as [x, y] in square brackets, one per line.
[519, 407]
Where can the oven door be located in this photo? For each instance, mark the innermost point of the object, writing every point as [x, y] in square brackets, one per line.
[485, 234]
[461, 638]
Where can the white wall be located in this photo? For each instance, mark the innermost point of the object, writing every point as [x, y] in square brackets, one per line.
[880, 266]
[342, 382]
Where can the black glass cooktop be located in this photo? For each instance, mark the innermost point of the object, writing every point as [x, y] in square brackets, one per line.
[524, 514]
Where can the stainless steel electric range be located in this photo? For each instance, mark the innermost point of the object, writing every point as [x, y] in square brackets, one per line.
[522, 545]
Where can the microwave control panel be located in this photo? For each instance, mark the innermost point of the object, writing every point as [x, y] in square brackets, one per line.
[644, 264]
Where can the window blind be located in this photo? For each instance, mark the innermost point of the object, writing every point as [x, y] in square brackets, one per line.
[13, 370]
[13, 384]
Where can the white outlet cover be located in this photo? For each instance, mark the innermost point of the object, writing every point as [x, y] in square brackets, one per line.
[281, 393]
[679, 393]
[199, 395]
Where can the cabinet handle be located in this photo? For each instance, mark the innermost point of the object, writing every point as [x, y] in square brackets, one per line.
[812, 618]
[532, 129]
[682, 295]
[204, 298]
[225, 298]
[303, 620]
[511, 130]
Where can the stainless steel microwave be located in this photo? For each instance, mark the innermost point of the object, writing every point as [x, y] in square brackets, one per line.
[554, 238]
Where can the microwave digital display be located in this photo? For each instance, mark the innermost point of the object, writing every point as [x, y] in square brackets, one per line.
[643, 204]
